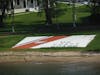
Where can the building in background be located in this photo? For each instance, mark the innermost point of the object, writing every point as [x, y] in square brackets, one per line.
[25, 5]
[75, 0]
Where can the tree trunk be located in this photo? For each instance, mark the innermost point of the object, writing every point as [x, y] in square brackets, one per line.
[2, 15]
[1, 21]
[47, 13]
[74, 13]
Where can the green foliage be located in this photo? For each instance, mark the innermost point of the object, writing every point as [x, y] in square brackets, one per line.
[4, 8]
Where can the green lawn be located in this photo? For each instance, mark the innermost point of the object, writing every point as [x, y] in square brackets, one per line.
[7, 41]
[34, 21]
[33, 24]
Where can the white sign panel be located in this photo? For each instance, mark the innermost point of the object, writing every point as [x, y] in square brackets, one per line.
[55, 41]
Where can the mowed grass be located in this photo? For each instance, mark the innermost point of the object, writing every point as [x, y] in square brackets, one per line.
[33, 24]
[8, 41]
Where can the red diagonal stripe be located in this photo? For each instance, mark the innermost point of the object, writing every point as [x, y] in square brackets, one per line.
[53, 38]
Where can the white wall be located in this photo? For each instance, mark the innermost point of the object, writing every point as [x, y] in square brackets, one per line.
[20, 4]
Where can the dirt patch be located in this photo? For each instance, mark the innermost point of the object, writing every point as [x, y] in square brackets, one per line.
[48, 57]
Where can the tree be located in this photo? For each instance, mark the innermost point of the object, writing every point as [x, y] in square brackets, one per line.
[48, 6]
[4, 5]
[47, 9]
[12, 14]
[95, 6]
[74, 13]
[95, 11]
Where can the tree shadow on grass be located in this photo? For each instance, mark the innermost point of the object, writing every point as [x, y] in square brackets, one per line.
[39, 27]
[55, 29]
[92, 20]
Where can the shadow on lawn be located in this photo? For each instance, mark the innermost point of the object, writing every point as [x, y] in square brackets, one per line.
[55, 29]
[39, 27]
[92, 19]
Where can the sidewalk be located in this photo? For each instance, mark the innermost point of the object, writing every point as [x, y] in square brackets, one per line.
[24, 10]
[19, 10]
